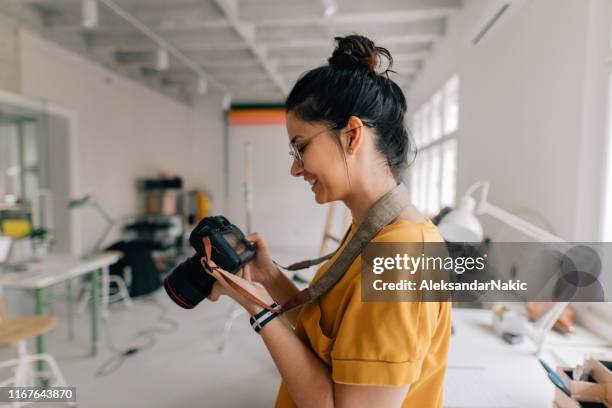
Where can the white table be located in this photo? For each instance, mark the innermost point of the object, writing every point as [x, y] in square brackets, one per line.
[58, 268]
[485, 371]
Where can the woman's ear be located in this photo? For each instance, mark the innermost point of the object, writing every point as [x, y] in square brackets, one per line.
[354, 133]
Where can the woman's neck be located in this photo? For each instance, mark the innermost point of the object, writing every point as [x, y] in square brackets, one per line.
[362, 199]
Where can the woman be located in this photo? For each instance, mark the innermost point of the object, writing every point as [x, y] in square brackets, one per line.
[348, 138]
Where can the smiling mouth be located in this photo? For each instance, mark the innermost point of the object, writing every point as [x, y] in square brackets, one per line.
[312, 182]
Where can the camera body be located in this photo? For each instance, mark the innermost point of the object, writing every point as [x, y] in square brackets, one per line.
[188, 284]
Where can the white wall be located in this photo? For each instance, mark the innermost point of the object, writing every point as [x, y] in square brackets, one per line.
[284, 209]
[594, 139]
[522, 111]
[207, 149]
[9, 55]
[124, 131]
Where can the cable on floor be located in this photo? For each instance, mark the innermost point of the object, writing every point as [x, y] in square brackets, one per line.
[114, 362]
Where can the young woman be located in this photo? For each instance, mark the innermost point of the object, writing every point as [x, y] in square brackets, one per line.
[349, 141]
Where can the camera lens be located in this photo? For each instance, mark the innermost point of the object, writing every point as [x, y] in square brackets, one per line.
[188, 284]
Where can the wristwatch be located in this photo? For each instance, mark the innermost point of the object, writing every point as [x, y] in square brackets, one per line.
[264, 317]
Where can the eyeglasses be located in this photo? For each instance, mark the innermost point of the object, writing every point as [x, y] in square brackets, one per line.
[296, 149]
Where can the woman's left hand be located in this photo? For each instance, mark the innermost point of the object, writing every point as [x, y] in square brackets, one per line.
[243, 279]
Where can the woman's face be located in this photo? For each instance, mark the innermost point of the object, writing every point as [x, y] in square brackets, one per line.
[324, 167]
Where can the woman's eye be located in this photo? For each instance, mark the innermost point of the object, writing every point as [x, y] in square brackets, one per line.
[301, 147]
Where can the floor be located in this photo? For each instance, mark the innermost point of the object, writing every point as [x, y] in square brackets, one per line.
[178, 366]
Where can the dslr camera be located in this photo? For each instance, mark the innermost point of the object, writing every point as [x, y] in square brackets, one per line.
[189, 283]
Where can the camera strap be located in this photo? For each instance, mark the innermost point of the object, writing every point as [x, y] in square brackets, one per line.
[312, 262]
[381, 214]
[230, 279]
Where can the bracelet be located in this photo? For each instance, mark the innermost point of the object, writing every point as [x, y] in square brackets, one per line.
[262, 318]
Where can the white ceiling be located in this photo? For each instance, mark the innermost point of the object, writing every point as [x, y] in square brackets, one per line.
[252, 49]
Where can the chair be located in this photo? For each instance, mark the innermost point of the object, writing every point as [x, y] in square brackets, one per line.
[16, 332]
[122, 294]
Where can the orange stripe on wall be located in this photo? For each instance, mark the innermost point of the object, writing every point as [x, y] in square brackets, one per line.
[247, 117]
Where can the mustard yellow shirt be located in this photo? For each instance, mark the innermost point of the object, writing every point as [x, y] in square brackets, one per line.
[379, 343]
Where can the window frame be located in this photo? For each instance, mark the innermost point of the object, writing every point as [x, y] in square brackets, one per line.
[429, 142]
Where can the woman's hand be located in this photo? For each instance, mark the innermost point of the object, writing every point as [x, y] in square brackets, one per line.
[263, 269]
[242, 278]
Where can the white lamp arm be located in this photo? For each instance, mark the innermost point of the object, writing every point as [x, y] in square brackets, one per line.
[484, 207]
[518, 223]
[540, 329]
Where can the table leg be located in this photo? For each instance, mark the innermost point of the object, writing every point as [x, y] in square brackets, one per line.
[41, 309]
[70, 301]
[95, 310]
[105, 291]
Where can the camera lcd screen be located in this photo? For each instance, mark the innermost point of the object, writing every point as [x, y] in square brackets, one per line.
[235, 243]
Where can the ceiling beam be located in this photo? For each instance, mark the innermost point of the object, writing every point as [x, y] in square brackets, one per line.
[391, 40]
[165, 26]
[246, 31]
[346, 19]
[271, 11]
[162, 43]
[315, 62]
[373, 18]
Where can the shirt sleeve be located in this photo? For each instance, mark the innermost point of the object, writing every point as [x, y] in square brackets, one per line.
[382, 343]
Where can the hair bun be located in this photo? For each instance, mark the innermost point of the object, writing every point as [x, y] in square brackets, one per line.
[354, 51]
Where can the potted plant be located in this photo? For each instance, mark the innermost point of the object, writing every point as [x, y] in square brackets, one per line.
[41, 241]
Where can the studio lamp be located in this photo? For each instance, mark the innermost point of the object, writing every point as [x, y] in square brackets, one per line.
[89, 200]
[462, 225]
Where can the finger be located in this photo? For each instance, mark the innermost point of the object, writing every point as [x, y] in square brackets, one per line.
[225, 286]
[215, 293]
[256, 239]
[253, 236]
[247, 273]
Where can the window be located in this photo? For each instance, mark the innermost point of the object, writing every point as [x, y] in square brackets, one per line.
[434, 173]
[451, 105]
[433, 194]
[425, 123]
[436, 116]
[449, 175]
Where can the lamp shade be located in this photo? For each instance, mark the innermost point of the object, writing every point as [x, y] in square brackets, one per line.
[461, 225]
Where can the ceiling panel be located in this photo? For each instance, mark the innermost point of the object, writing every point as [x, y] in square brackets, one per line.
[253, 49]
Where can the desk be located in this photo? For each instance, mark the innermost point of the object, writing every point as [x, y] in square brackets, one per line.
[513, 375]
[57, 268]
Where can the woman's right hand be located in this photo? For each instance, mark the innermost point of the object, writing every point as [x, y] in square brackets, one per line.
[262, 268]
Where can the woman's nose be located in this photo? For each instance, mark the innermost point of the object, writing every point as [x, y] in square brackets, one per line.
[296, 171]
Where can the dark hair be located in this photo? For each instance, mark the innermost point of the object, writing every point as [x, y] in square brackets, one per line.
[350, 85]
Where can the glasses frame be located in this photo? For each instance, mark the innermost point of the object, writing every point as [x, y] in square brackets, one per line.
[294, 151]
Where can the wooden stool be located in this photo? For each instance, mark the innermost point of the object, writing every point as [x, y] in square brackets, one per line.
[17, 332]
[14, 331]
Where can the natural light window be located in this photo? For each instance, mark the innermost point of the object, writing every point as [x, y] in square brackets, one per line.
[433, 175]
[436, 116]
[433, 199]
[425, 124]
[416, 128]
[422, 181]
[451, 105]
[449, 173]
